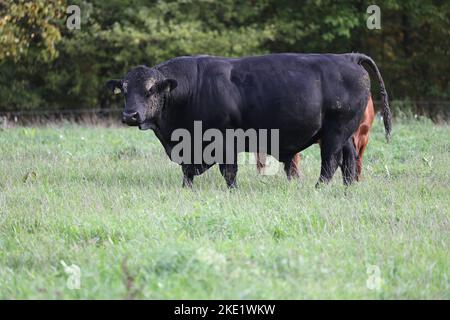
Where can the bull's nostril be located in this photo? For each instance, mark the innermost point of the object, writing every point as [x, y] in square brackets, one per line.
[130, 118]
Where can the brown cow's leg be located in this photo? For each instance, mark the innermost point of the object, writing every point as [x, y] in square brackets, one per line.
[359, 162]
[260, 162]
[295, 166]
[361, 136]
[291, 167]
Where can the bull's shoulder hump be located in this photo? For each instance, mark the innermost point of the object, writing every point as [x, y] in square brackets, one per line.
[192, 64]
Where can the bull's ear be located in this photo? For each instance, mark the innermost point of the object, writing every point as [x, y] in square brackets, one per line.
[166, 85]
[115, 85]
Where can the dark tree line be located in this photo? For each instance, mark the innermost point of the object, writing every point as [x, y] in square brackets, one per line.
[45, 65]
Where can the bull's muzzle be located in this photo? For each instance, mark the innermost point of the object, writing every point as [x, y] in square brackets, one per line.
[131, 119]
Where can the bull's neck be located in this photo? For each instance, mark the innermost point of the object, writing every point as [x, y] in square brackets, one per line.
[163, 128]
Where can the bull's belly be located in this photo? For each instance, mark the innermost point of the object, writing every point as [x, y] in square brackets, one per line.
[283, 143]
[296, 141]
[295, 132]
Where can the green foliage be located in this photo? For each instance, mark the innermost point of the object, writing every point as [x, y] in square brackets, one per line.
[45, 65]
[30, 29]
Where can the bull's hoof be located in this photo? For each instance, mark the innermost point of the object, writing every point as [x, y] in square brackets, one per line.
[232, 186]
[187, 184]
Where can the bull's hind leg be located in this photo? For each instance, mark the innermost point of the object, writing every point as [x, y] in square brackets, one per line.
[229, 172]
[336, 145]
[348, 165]
[331, 144]
[330, 162]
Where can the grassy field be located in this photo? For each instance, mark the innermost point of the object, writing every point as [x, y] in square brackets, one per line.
[109, 201]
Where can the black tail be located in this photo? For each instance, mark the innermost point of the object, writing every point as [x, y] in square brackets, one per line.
[386, 112]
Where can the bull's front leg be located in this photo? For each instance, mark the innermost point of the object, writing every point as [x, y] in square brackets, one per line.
[229, 172]
[188, 176]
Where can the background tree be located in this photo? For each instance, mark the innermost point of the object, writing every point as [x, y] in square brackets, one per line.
[45, 65]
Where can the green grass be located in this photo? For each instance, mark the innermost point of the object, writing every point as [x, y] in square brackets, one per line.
[109, 201]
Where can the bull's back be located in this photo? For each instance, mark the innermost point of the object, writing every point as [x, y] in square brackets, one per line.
[277, 92]
[284, 90]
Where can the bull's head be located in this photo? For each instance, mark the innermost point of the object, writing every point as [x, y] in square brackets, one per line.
[145, 91]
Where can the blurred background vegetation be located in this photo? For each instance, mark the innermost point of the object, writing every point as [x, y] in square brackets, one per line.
[44, 65]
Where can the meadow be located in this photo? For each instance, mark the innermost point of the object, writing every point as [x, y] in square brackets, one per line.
[108, 200]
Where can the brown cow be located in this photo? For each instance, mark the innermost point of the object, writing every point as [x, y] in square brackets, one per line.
[360, 140]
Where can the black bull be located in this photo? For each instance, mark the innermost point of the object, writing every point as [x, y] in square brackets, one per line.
[307, 97]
